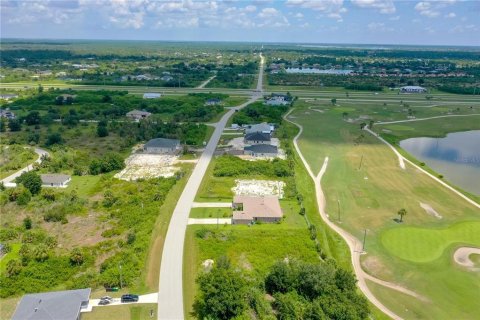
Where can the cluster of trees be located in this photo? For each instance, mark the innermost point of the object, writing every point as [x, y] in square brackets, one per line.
[232, 166]
[258, 112]
[235, 76]
[299, 290]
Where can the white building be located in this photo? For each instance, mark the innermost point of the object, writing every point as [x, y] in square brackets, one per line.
[150, 95]
[413, 89]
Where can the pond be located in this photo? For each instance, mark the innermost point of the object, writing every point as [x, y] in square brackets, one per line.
[456, 157]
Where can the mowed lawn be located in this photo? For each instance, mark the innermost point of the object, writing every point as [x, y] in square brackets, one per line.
[424, 245]
[365, 188]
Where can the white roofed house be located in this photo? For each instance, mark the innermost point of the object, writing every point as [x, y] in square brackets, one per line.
[213, 102]
[6, 113]
[138, 115]
[55, 180]
[413, 89]
[261, 127]
[8, 96]
[151, 95]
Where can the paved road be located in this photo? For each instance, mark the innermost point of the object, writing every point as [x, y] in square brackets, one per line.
[170, 291]
[201, 86]
[8, 181]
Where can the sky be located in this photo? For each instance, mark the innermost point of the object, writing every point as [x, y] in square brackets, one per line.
[428, 22]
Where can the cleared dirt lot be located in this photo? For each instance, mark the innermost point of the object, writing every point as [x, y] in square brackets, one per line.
[145, 166]
[259, 188]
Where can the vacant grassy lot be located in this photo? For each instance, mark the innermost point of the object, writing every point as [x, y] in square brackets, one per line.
[365, 187]
[210, 213]
[14, 158]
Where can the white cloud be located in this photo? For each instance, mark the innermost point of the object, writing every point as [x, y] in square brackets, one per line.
[396, 18]
[383, 6]
[298, 15]
[326, 6]
[378, 27]
[431, 8]
[450, 15]
[268, 12]
[250, 8]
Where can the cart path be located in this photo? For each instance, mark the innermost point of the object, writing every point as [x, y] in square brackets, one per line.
[403, 159]
[8, 181]
[353, 243]
[170, 287]
[423, 119]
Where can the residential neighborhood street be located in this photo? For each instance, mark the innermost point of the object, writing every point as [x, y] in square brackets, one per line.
[170, 292]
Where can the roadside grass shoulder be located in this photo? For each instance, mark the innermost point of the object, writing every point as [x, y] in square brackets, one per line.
[122, 312]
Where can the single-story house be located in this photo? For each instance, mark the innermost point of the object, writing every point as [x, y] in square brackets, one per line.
[278, 100]
[65, 305]
[413, 89]
[66, 97]
[7, 96]
[150, 95]
[162, 146]
[261, 127]
[7, 114]
[138, 114]
[166, 78]
[261, 150]
[257, 138]
[55, 179]
[213, 102]
[248, 209]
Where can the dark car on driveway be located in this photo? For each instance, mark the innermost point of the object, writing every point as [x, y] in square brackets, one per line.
[129, 298]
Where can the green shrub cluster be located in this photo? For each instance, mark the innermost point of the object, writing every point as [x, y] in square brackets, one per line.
[231, 166]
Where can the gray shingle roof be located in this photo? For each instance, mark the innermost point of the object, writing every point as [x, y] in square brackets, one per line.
[64, 305]
[262, 148]
[54, 178]
[162, 143]
[257, 136]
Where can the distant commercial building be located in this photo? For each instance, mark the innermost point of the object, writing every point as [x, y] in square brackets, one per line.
[413, 89]
[257, 138]
[162, 146]
[277, 101]
[55, 180]
[261, 150]
[248, 209]
[138, 115]
[64, 305]
[150, 95]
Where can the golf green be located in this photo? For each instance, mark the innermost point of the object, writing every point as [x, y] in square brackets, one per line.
[424, 245]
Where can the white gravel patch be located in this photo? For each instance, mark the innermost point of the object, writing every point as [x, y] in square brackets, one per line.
[147, 166]
[259, 188]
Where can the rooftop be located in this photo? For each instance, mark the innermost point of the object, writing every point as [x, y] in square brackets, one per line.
[257, 136]
[255, 207]
[262, 148]
[162, 143]
[54, 305]
[54, 178]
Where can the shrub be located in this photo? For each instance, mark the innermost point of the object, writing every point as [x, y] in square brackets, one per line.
[32, 181]
[27, 223]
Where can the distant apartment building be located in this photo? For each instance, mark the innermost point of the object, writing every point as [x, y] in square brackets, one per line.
[413, 89]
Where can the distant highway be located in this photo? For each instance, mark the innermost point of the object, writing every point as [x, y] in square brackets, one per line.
[170, 291]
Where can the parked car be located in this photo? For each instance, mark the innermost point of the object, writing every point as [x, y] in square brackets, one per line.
[107, 298]
[129, 298]
[104, 302]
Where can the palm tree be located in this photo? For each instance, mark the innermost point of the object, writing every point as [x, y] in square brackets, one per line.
[40, 253]
[402, 212]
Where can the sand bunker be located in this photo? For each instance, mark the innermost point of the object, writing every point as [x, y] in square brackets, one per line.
[259, 188]
[462, 257]
[145, 166]
[430, 210]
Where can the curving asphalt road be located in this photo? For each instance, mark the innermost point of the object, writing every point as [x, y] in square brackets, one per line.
[8, 181]
[353, 243]
[170, 291]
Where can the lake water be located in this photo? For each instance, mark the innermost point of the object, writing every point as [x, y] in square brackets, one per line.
[456, 157]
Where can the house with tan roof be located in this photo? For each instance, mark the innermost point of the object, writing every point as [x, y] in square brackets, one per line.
[249, 209]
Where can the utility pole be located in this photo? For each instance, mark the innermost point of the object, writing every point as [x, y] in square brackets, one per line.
[338, 202]
[364, 238]
[361, 161]
[121, 278]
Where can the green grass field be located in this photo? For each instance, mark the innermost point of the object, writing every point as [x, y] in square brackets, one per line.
[210, 213]
[12, 255]
[367, 182]
[122, 312]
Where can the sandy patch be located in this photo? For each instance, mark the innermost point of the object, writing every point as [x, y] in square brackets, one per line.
[145, 166]
[318, 110]
[462, 257]
[259, 188]
[428, 209]
[374, 266]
